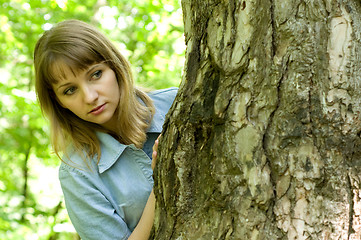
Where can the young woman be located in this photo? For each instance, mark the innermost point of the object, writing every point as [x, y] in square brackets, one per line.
[104, 127]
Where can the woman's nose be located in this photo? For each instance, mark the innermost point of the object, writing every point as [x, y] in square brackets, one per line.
[90, 94]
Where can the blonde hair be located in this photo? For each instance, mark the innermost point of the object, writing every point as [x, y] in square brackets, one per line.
[79, 45]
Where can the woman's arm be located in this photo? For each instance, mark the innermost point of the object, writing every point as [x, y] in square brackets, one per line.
[92, 215]
[145, 224]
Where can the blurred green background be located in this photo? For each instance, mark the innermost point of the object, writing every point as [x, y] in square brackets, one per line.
[148, 32]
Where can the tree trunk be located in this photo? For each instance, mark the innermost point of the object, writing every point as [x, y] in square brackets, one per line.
[263, 141]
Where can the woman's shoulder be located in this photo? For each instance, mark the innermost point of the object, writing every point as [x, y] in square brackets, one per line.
[165, 91]
[163, 98]
[73, 163]
[164, 94]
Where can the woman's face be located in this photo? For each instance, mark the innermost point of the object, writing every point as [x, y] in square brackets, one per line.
[92, 94]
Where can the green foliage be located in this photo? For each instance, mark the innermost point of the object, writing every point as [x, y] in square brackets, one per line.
[148, 32]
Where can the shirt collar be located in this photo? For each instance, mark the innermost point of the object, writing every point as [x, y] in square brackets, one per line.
[111, 149]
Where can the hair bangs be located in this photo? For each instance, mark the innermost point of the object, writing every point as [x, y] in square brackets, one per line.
[63, 62]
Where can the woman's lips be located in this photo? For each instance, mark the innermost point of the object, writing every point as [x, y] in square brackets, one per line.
[98, 110]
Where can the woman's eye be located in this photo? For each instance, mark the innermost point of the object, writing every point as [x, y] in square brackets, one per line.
[69, 91]
[97, 74]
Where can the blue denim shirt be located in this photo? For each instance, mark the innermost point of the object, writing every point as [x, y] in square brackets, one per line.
[106, 200]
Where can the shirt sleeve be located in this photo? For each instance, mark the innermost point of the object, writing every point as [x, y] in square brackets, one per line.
[91, 213]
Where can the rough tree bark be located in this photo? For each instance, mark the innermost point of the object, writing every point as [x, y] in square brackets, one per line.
[263, 141]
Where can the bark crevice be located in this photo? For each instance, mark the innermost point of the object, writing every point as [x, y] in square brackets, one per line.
[273, 26]
[351, 204]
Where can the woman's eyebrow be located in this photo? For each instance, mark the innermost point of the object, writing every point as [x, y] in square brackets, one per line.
[90, 69]
[63, 85]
